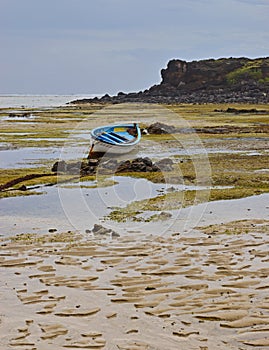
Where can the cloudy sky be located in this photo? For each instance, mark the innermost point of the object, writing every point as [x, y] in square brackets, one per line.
[100, 46]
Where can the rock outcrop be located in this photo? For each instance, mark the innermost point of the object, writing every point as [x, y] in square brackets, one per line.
[112, 166]
[226, 80]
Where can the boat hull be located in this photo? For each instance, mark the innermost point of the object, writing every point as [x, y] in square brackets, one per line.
[101, 147]
[115, 139]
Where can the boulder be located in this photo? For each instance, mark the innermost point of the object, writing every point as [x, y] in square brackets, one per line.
[160, 128]
[100, 230]
[137, 165]
[113, 166]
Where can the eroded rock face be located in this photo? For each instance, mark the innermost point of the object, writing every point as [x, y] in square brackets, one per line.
[225, 80]
[199, 74]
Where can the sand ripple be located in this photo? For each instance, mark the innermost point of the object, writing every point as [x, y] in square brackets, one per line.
[204, 291]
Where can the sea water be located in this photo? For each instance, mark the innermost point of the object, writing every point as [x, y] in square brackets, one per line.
[39, 101]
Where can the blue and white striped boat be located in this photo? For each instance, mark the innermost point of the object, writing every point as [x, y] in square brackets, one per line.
[117, 139]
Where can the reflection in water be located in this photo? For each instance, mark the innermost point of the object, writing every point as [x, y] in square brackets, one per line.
[33, 156]
[77, 207]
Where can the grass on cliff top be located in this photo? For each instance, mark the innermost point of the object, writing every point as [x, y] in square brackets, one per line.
[251, 70]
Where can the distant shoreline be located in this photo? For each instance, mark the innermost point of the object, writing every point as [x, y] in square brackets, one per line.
[39, 100]
[225, 80]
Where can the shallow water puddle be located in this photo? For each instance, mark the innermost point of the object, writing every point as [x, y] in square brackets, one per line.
[33, 156]
[78, 205]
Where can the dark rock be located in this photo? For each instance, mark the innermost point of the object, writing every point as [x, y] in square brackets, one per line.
[145, 165]
[155, 168]
[52, 230]
[88, 170]
[101, 230]
[147, 161]
[160, 128]
[246, 111]
[115, 234]
[139, 165]
[124, 166]
[113, 166]
[165, 164]
[59, 166]
[136, 165]
[22, 188]
[106, 98]
[224, 80]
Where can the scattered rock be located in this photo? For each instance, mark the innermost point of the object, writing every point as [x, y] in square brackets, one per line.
[113, 166]
[164, 215]
[160, 128]
[102, 231]
[142, 165]
[245, 111]
[115, 234]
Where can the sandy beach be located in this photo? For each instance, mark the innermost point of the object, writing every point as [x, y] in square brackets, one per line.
[205, 289]
[134, 175]
[184, 263]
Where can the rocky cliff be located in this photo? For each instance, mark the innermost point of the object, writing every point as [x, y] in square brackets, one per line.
[226, 80]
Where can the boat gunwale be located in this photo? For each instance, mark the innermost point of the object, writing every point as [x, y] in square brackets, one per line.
[120, 145]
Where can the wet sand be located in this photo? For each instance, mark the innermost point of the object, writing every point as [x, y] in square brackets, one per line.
[202, 289]
[196, 281]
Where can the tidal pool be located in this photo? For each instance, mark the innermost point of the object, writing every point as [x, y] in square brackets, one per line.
[76, 206]
[33, 156]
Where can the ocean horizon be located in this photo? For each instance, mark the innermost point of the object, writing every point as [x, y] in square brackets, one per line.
[40, 100]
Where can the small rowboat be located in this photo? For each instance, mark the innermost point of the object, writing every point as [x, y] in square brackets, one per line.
[117, 139]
